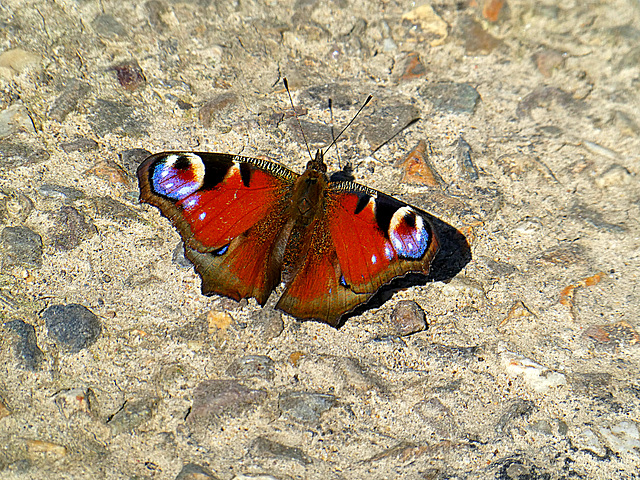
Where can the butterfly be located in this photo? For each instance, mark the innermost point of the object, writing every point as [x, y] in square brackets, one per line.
[249, 224]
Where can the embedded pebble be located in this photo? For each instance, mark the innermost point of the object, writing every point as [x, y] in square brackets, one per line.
[14, 155]
[191, 471]
[477, 41]
[548, 60]
[408, 317]
[210, 111]
[113, 209]
[270, 323]
[213, 398]
[417, 168]
[14, 119]
[342, 96]
[614, 176]
[51, 449]
[21, 246]
[15, 206]
[622, 437]
[305, 407]
[537, 376]
[263, 447]
[107, 116]
[69, 229]
[462, 155]
[179, 258]
[68, 100]
[74, 400]
[129, 75]
[17, 60]
[426, 25]
[72, 327]
[412, 68]
[317, 134]
[381, 123]
[515, 410]
[67, 194]
[252, 366]
[450, 97]
[25, 346]
[545, 97]
[133, 414]
[79, 145]
[618, 334]
[109, 171]
[131, 159]
[4, 409]
[107, 26]
[587, 439]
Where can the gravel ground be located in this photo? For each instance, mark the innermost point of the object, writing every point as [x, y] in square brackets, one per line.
[524, 122]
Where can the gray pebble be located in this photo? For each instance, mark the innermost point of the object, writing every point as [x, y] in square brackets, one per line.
[178, 257]
[462, 155]
[21, 246]
[305, 407]
[67, 194]
[317, 134]
[450, 97]
[378, 125]
[25, 347]
[133, 414]
[68, 100]
[69, 229]
[263, 447]
[252, 366]
[79, 145]
[107, 26]
[408, 318]
[107, 116]
[191, 471]
[132, 158]
[516, 409]
[72, 327]
[213, 398]
[14, 155]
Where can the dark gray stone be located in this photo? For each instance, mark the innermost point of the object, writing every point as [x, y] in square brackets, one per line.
[69, 229]
[25, 347]
[72, 327]
[462, 155]
[132, 158]
[450, 97]
[67, 194]
[79, 145]
[21, 246]
[14, 155]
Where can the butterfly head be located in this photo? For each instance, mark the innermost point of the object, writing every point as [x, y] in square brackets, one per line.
[317, 164]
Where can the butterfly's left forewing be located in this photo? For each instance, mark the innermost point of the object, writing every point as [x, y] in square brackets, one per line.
[230, 212]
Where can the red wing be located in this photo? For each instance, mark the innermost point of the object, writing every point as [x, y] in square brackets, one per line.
[229, 211]
[363, 240]
[377, 237]
[317, 290]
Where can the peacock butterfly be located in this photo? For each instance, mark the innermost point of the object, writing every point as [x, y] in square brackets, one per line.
[248, 224]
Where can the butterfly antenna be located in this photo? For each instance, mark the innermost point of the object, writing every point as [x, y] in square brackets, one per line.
[350, 122]
[286, 86]
[333, 135]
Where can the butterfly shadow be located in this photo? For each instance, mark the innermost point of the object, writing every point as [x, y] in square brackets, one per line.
[453, 256]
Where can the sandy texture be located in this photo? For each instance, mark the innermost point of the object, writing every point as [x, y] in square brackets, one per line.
[529, 366]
